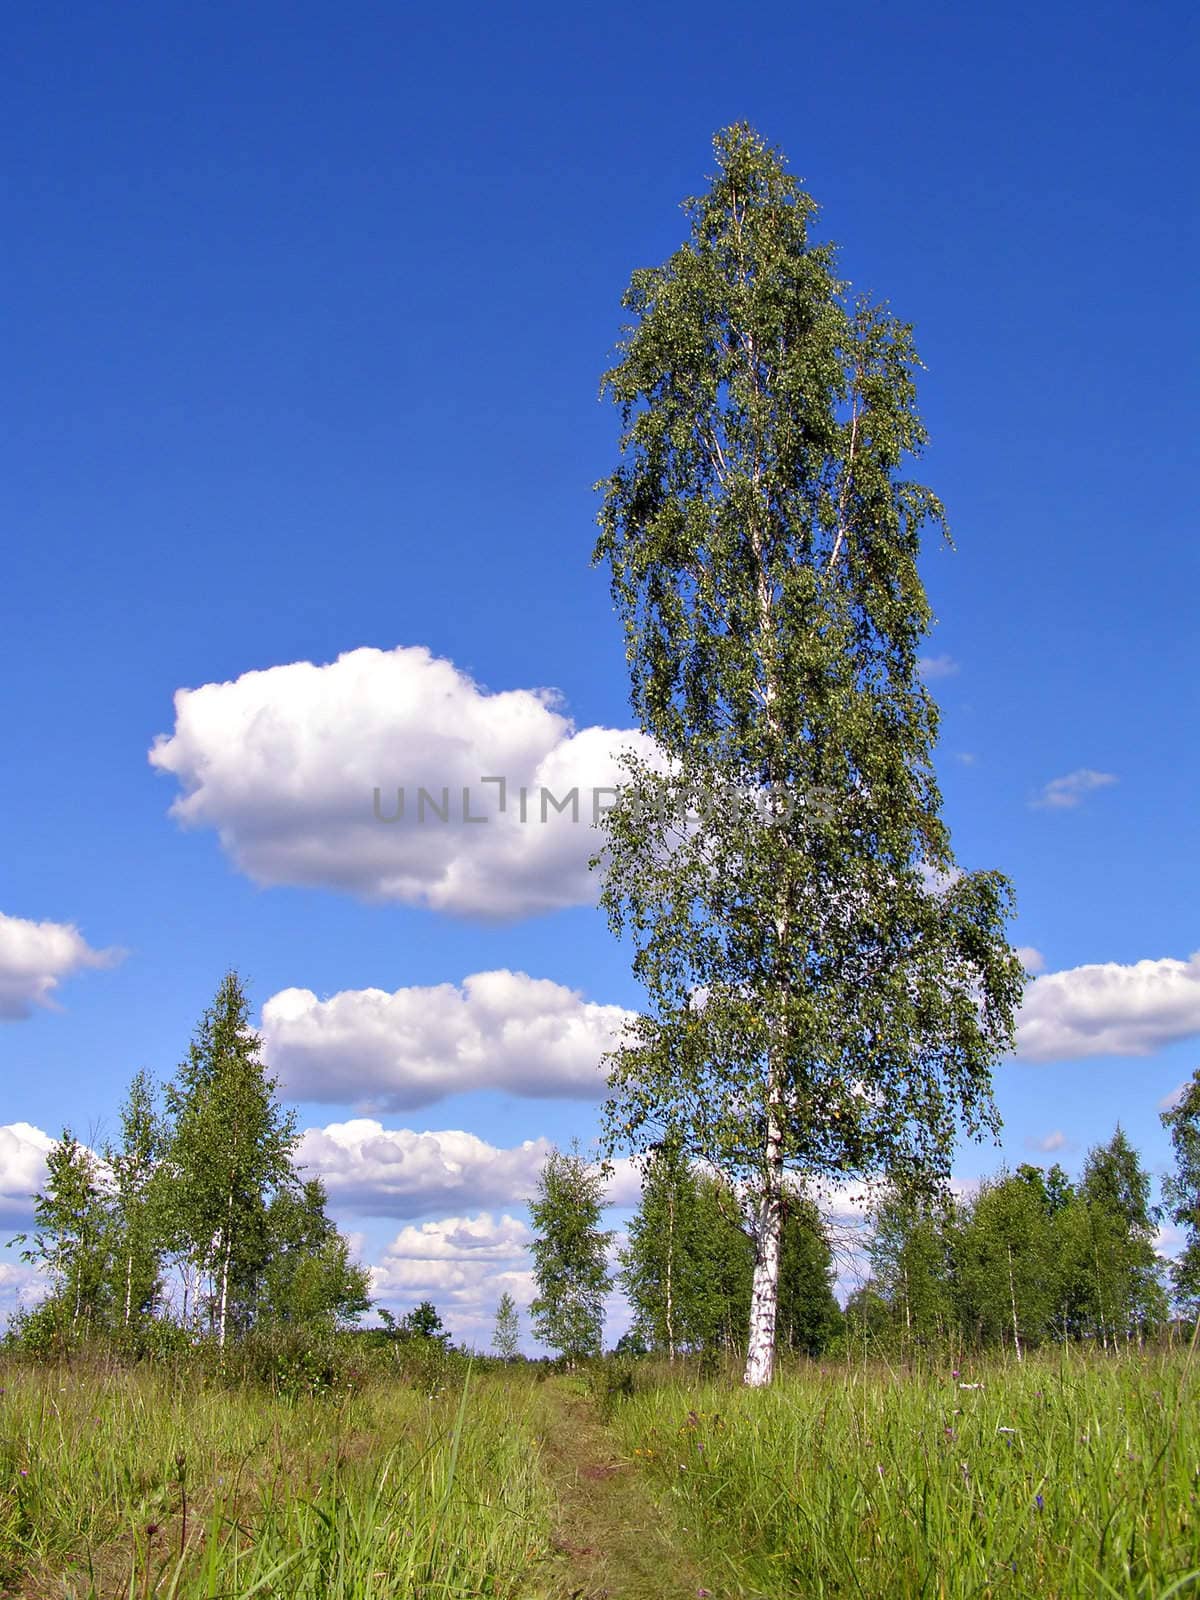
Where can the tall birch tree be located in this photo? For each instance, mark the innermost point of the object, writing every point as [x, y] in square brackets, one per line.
[825, 991]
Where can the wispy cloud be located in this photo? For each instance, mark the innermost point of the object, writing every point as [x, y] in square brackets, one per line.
[932, 668]
[1065, 793]
[1170, 1101]
[1050, 1143]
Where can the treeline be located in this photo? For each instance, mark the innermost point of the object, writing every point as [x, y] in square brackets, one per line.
[1030, 1258]
[195, 1219]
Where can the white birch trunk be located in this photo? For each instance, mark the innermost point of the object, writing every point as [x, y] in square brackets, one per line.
[764, 1296]
[1012, 1295]
[670, 1308]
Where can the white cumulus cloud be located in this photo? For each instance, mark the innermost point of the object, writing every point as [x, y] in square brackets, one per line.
[1065, 793]
[370, 1170]
[35, 957]
[23, 1152]
[295, 766]
[1106, 1009]
[497, 1030]
[377, 1171]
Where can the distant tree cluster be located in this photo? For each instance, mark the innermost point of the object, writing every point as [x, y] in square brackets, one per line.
[1030, 1258]
[201, 1185]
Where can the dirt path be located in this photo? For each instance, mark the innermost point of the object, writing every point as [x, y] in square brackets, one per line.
[613, 1541]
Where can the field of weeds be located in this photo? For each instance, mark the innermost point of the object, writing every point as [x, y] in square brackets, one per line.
[137, 1484]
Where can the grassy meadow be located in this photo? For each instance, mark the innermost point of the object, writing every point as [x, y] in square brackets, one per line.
[1063, 1476]
[1067, 1476]
[134, 1484]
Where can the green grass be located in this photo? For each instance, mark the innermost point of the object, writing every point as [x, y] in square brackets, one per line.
[138, 1485]
[1064, 1477]
[1068, 1478]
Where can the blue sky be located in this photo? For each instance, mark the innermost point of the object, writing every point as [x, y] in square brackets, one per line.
[309, 307]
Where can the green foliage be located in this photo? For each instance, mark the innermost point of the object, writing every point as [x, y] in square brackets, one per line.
[210, 1183]
[611, 1381]
[809, 1317]
[825, 991]
[686, 1269]
[569, 1257]
[1032, 1258]
[230, 1148]
[308, 1278]
[136, 1197]
[1182, 1190]
[72, 1242]
[688, 1266]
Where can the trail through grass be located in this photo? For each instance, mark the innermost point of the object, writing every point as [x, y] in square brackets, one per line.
[612, 1539]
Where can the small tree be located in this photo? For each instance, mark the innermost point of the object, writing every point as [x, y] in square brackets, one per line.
[1005, 1263]
[73, 1238]
[423, 1322]
[1182, 1192]
[137, 1225]
[230, 1149]
[309, 1279]
[1124, 1271]
[507, 1335]
[569, 1257]
[809, 1315]
[909, 1252]
[660, 1265]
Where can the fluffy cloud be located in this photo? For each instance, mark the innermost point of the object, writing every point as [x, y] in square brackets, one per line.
[497, 1030]
[35, 957]
[1064, 794]
[23, 1151]
[296, 766]
[1032, 960]
[463, 1264]
[396, 1172]
[1106, 1009]
[379, 1171]
[20, 1285]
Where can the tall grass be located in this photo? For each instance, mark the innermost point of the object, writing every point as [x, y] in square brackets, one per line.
[140, 1484]
[1064, 1477]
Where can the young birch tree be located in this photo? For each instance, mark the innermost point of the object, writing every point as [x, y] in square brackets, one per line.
[230, 1149]
[570, 1256]
[134, 1165]
[825, 991]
